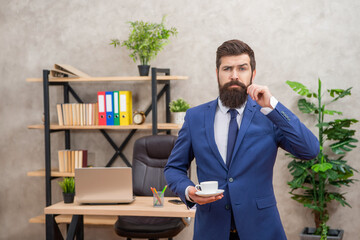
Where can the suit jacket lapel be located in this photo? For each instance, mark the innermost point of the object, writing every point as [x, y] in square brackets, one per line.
[209, 129]
[248, 114]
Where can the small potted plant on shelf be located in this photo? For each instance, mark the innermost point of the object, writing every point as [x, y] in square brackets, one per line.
[178, 109]
[145, 41]
[314, 182]
[68, 188]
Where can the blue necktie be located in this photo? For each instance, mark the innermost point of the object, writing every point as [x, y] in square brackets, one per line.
[233, 131]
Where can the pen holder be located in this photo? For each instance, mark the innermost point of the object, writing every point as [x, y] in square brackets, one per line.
[158, 200]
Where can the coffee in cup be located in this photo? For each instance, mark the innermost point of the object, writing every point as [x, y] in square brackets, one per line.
[207, 187]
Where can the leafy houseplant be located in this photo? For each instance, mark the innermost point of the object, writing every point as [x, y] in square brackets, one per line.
[314, 182]
[68, 188]
[179, 105]
[178, 108]
[146, 40]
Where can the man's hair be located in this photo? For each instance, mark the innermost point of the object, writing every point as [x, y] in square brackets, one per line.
[233, 48]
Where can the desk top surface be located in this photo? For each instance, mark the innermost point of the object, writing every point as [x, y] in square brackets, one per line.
[142, 206]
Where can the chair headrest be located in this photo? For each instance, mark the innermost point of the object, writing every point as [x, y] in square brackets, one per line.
[159, 146]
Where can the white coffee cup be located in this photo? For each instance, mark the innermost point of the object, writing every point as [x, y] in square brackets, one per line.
[207, 187]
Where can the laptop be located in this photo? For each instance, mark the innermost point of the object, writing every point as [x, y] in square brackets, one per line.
[103, 185]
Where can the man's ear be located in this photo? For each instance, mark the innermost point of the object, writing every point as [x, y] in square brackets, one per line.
[253, 75]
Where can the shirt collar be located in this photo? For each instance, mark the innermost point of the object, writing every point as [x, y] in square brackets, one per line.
[224, 109]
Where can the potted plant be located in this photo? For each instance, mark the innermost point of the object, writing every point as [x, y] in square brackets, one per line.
[178, 108]
[316, 183]
[68, 188]
[145, 41]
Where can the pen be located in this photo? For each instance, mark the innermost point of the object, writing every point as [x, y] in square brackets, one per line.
[162, 192]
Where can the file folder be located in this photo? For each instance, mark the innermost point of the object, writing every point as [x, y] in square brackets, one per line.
[125, 107]
[116, 108]
[109, 108]
[101, 108]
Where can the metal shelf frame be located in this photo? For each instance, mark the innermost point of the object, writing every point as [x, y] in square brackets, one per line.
[52, 230]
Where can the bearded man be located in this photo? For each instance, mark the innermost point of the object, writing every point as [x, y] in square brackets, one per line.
[234, 140]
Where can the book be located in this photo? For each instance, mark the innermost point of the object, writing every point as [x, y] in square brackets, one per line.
[61, 161]
[59, 73]
[60, 114]
[70, 70]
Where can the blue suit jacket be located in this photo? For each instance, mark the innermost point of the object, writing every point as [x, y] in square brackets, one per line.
[248, 181]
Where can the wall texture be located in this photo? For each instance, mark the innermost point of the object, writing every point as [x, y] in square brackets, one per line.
[293, 40]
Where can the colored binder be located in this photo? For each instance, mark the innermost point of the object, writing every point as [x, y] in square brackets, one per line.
[101, 108]
[125, 108]
[109, 108]
[116, 108]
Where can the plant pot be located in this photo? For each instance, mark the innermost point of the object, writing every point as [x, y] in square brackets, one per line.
[144, 70]
[68, 197]
[333, 234]
[177, 117]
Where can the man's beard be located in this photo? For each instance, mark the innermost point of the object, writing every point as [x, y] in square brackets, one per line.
[233, 97]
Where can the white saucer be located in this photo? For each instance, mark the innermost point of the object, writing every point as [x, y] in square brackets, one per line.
[202, 194]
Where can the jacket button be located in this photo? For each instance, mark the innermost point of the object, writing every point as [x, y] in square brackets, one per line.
[231, 179]
[227, 206]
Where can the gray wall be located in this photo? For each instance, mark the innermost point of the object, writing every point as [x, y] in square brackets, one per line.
[293, 40]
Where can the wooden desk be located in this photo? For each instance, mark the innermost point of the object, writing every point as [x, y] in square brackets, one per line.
[142, 206]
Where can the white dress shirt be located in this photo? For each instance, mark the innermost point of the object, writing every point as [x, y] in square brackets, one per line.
[221, 126]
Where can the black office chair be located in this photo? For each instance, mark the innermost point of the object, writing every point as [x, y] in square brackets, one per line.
[149, 159]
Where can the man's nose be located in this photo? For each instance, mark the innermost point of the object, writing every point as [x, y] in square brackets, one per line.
[234, 75]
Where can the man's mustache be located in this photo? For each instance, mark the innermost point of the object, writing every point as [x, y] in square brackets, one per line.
[236, 83]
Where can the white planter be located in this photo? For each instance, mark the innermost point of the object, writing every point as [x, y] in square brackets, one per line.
[177, 117]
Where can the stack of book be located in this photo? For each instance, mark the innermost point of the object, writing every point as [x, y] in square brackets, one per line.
[71, 159]
[115, 108]
[77, 114]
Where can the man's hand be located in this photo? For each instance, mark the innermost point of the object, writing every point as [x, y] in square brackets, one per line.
[260, 94]
[202, 200]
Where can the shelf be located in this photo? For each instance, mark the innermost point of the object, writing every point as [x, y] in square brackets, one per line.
[108, 79]
[54, 173]
[88, 219]
[145, 126]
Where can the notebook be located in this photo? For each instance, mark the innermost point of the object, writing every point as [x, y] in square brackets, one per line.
[103, 185]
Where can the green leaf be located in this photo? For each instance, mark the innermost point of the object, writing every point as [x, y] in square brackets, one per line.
[343, 146]
[314, 207]
[339, 197]
[301, 89]
[321, 167]
[305, 106]
[332, 175]
[332, 112]
[337, 129]
[340, 93]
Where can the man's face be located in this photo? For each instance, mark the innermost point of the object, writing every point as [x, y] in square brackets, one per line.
[234, 76]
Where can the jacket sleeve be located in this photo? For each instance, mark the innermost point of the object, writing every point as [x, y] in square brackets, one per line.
[292, 135]
[179, 162]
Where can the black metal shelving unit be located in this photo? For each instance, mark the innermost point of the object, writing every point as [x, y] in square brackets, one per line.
[52, 230]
